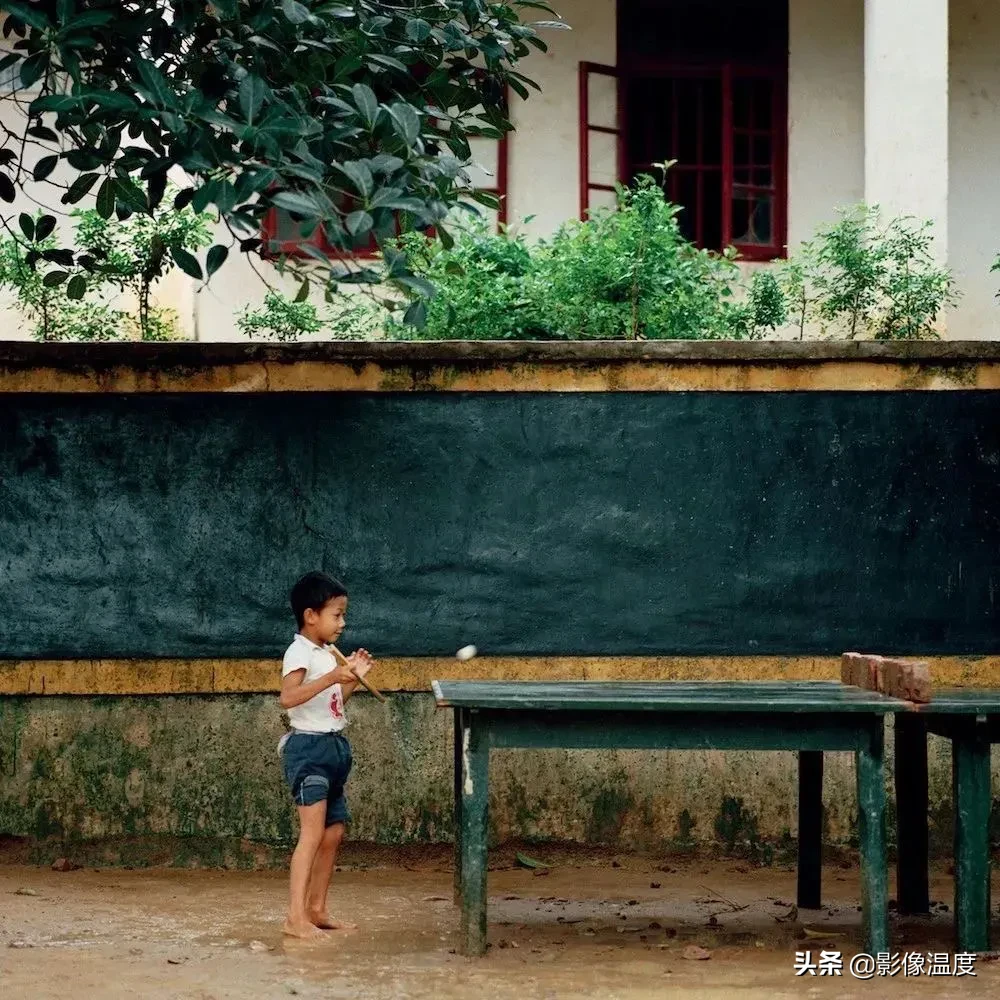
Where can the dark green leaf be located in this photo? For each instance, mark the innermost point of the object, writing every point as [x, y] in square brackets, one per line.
[300, 204]
[89, 19]
[54, 278]
[30, 14]
[33, 68]
[106, 199]
[406, 122]
[253, 92]
[295, 12]
[77, 287]
[358, 222]
[388, 61]
[183, 199]
[27, 224]
[44, 227]
[42, 132]
[44, 167]
[360, 176]
[157, 88]
[187, 262]
[303, 292]
[366, 101]
[7, 192]
[447, 240]
[132, 196]
[216, 258]
[79, 188]
[421, 286]
[417, 30]
[416, 314]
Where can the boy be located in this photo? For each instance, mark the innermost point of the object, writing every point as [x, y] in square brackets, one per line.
[316, 757]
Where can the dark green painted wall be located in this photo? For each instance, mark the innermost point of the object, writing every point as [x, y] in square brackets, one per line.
[674, 523]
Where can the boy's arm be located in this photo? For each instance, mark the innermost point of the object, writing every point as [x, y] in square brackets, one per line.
[294, 692]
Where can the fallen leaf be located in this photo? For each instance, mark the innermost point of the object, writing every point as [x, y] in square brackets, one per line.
[821, 934]
[654, 885]
[25, 892]
[258, 946]
[436, 899]
[526, 862]
[695, 953]
[63, 865]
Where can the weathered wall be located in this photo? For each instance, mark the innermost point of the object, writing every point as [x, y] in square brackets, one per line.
[196, 780]
[540, 524]
[562, 506]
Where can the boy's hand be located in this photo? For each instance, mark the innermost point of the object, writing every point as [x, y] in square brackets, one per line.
[361, 662]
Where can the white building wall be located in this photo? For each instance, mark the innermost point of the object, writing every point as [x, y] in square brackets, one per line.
[826, 153]
[974, 138]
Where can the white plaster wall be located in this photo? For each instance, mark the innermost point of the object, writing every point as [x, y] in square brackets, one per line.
[826, 153]
[974, 137]
[544, 172]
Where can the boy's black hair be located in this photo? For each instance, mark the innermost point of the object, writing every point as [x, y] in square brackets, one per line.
[313, 591]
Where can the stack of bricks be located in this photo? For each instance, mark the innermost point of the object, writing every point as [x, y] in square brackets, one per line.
[906, 679]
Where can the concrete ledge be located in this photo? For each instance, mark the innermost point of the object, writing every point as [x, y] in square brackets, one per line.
[174, 677]
[499, 366]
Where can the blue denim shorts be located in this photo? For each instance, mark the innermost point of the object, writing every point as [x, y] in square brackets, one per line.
[316, 767]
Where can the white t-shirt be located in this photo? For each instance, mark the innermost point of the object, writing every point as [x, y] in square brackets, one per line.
[324, 712]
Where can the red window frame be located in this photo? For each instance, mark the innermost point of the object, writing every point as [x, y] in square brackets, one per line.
[725, 73]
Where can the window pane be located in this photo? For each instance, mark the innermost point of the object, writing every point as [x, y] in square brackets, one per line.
[762, 177]
[762, 147]
[752, 219]
[686, 116]
[603, 158]
[602, 199]
[711, 151]
[741, 150]
[763, 96]
[602, 96]
[711, 197]
[742, 100]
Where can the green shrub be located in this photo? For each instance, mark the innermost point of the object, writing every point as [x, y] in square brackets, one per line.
[861, 276]
[630, 273]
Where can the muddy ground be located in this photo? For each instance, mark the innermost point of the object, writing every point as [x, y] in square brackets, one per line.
[592, 926]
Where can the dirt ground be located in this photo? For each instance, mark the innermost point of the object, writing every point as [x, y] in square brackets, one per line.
[589, 927]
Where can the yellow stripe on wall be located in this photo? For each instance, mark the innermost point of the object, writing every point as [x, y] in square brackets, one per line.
[157, 677]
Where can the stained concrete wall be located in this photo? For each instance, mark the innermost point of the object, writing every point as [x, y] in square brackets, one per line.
[196, 780]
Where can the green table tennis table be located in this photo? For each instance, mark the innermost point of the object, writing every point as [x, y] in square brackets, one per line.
[809, 717]
[970, 719]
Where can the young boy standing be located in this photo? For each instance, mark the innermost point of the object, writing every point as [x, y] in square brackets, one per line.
[316, 756]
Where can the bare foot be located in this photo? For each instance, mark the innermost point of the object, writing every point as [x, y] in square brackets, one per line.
[300, 929]
[324, 921]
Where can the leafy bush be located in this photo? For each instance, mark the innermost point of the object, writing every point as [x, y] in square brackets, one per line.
[482, 287]
[284, 319]
[624, 273]
[863, 277]
[630, 273]
[70, 300]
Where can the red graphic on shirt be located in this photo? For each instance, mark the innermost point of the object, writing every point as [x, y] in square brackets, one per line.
[335, 706]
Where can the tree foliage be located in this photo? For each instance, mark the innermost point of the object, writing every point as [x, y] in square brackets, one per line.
[348, 114]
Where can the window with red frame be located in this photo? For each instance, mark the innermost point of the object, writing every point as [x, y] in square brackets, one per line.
[702, 82]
